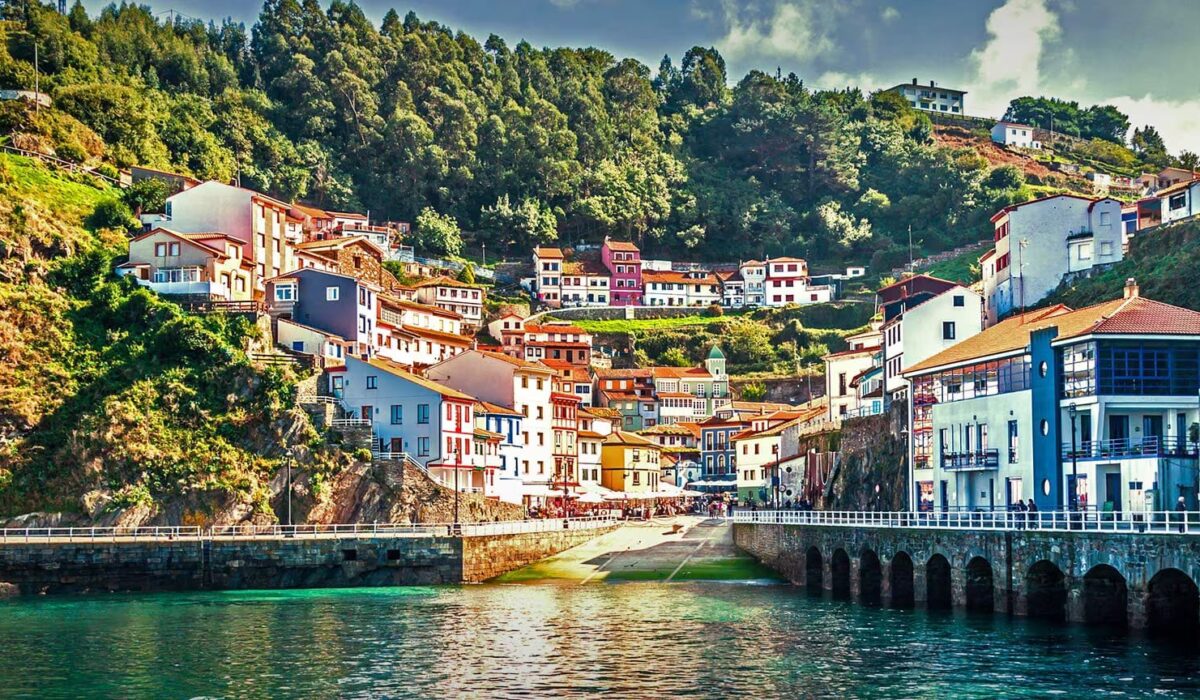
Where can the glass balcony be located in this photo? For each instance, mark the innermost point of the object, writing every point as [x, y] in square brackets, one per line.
[981, 460]
[1151, 446]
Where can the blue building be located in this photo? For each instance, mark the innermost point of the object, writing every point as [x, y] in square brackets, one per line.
[1095, 408]
[718, 461]
[329, 302]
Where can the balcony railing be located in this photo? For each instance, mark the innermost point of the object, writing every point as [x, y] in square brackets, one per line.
[1151, 446]
[971, 461]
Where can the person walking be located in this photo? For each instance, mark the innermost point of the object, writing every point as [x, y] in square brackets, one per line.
[1032, 513]
[1019, 509]
[1181, 509]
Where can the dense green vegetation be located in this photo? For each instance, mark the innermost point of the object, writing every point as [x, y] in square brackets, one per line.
[516, 145]
[962, 268]
[1163, 261]
[113, 396]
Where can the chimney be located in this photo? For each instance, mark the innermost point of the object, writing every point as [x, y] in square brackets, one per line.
[914, 81]
[932, 84]
[1131, 288]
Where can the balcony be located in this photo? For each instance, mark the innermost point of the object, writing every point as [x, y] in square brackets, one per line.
[1135, 448]
[189, 288]
[982, 460]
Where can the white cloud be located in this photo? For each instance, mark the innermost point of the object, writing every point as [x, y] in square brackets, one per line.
[1009, 64]
[800, 29]
[1177, 120]
[889, 14]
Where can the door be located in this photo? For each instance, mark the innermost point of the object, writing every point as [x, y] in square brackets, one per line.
[396, 446]
[1118, 432]
[1152, 432]
[1014, 492]
[945, 496]
[1112, 489]
[366, 413]
[338, 387]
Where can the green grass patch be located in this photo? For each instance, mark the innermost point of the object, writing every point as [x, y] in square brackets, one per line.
[736, 569]
[650, 324]
[961, 268]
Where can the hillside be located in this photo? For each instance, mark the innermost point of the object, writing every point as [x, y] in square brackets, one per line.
[519, 145]
[1163, 261]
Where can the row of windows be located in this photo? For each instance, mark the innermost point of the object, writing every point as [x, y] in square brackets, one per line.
[1130, 369]
[983, 379]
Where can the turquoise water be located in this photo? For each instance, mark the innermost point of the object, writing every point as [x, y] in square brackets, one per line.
[566, 640]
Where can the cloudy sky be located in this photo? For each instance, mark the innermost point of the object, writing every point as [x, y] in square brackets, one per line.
[1109, 51]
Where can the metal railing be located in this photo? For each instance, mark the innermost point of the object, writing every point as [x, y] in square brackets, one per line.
[967, 461]
[351, 422]
[1149, 446]
[1139, 522]
[314, 531]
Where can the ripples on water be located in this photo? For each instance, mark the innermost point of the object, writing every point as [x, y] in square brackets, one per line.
[547, 640]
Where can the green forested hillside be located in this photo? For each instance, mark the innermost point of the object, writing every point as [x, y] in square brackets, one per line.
[111, 396]
[316, 102]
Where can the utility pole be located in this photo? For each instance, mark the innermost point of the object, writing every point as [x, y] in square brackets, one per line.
[910, 250]
[37, 85]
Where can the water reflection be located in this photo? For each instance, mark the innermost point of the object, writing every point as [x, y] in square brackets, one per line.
[641, 640]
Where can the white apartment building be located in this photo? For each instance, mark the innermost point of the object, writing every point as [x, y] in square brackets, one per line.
[1040, 242]
[754, 276]
[1019, 135]
[464, 299]
[922, 316]
[522, 386]
[932, 98]
[547, 279]
[842, 367]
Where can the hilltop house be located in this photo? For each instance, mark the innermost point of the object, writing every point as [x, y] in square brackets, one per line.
[199, 265]
[1012, 134]
[933, 98]
[464, 299]
[329, 302]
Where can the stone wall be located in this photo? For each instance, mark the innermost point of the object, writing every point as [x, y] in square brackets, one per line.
[35, 568]
[872, 452]
[490, 556]
[996, 570]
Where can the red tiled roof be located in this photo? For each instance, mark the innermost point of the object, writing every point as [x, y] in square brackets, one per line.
[548, 252]
[1145, 316]
[623, 246]
[448, 338]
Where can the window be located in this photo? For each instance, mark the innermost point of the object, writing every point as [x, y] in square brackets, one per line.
[1013, 446]
[1105, 218]
[160, 249]
[285, 292]
[372, 382]
[947, 330]
[331, 293]
[422, 413]
[397, 414]
[174, 249]
[1177, 201]
[1085, 251]
[1106, 248]
[422, 446]
[960, 300]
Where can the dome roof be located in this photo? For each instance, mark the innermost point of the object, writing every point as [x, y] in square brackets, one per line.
[716, 354]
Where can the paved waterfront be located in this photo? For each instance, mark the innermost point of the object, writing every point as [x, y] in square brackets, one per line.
[681, 548]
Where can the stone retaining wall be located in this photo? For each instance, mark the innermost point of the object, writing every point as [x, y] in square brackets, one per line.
[37, 568]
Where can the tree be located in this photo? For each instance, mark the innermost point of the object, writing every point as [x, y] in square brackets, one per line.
[467, 274]
[529, 224]
[437, 233]
[754, 391]
[1188, 160]
[1148, 144]
[675, 357]
[149, 195]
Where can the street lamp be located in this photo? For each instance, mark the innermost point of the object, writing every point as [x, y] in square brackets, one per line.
[1072, 412]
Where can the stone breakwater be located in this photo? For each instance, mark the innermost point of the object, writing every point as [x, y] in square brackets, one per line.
[179, 565]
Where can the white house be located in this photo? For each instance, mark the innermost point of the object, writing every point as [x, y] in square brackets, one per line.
[1038, 243]
[922, 316]
[932, 98]
[464, 299]
[547, 280]
[842, 367]
[1018, 135]
[754, 275]
[522, 386]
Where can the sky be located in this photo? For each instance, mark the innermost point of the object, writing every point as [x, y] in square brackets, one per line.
[1093, 51]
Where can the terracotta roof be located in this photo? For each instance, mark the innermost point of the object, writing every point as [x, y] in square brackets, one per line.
[787, 259]
[602, 412]
[517, 362]
[680, 373]
[548, 252]
[182, 237]
[761, 406]
[621, 437]
[1142, 316]
[590, 434]
[634, 373]
[398, 370]
[311, 211]
[672, 277]
[623, 246]
[337, 244]
[448, 338]
[554, 328]
[674, 395]
[693, 428]
[667, 429]
[417, 306]
[910, 278]
[497, 409]
[444, 281]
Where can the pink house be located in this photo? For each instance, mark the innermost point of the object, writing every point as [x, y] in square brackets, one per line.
[624, 262]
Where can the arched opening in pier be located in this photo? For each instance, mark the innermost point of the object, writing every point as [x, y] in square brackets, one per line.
[980, 586]
[900, 579]
[814, 570]
[1046, 591]
[1105, 597]
[840, 573]
[1173, 604]
[937, 583]
[870, 578]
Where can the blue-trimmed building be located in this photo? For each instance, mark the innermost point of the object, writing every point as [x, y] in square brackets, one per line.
[1096, 408]
[718, 460]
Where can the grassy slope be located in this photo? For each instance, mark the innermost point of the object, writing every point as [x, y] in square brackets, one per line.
[111, 390]
[958, 269]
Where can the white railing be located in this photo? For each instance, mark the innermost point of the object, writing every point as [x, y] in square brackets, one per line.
[351, 422]
[1168, 522]
[58, 535]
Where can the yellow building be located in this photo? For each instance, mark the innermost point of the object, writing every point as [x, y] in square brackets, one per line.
[629, 463]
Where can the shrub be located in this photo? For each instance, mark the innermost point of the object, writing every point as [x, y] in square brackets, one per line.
[362, 454]
[112, 213]
[108, 170]
[715, 310]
